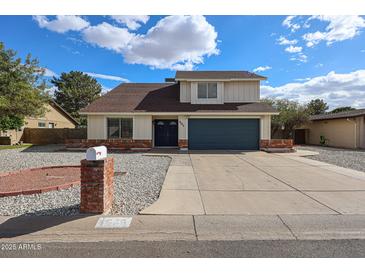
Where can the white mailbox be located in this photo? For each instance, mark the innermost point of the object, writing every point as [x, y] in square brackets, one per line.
[96, 153]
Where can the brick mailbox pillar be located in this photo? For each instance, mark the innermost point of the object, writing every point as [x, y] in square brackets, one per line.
[97, 185]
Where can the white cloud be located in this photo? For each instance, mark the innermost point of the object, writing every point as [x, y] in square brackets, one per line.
[340, 28]
[62, 23]
[300, 57]
[336, 89]
[107, 77]
[107, 36]
[302, 79]
[288, 22]
[262, 68]
[176, 42]
[49, 73]
[293, 49]
[284, 41]
[132, 22]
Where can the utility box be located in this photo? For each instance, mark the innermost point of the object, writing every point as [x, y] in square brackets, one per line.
[96, 153]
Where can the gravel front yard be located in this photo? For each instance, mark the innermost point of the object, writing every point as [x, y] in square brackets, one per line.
[134, 191]
[354, 159]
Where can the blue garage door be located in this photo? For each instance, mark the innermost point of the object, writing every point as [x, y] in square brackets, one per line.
[240, 134]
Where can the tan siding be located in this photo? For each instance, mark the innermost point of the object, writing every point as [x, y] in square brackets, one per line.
[241, 91]
[185, 92]
[142, 127]
[96, 127]
[52, 115]
[339, 132]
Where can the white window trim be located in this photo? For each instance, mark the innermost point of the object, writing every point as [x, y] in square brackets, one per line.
[207, 91]
[118, 117]
[218, 100]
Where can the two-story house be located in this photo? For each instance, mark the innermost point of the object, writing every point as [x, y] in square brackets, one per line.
[195, 110]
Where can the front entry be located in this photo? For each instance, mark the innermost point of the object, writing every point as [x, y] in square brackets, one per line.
[166, 133]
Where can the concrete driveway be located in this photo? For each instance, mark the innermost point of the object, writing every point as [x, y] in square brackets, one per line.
[257, 183]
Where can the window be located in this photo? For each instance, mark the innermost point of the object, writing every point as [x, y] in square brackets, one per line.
[120, 128]
[41, 124]
[51, 125]
[207, 91]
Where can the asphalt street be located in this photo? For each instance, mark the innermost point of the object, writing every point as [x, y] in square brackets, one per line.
[193, 249]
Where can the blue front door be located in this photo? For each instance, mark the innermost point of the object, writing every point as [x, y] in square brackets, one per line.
[166, 133]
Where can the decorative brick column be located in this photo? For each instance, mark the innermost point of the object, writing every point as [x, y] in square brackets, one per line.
[97, 187]
[183, 144]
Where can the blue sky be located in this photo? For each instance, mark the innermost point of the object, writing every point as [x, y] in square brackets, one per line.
[304, 57]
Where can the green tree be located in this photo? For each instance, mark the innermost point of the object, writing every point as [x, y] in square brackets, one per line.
[22, 90]
[317, 106]
[341, 109]
[291, 115]
[75, 90]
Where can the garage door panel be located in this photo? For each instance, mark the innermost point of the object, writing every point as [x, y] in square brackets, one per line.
[241, 134]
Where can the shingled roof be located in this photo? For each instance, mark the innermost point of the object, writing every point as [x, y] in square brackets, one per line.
[162, 97]
[226, 75]
[344, 114]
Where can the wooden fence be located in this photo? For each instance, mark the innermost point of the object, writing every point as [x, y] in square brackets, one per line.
[44, 136]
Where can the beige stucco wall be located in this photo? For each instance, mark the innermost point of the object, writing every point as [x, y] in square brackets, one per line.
[360, 130]
[52, 115]
[96, 127]
[228, 92]
[339, 132]
[142, 127]
[183, 127]
[265, 127]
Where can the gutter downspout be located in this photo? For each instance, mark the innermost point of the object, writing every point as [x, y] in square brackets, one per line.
[355, 135]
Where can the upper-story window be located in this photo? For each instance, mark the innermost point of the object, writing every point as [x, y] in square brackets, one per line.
[207, 91]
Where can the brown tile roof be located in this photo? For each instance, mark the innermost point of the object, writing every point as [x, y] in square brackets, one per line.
[161, 98]
[344, 114]
[218, 75]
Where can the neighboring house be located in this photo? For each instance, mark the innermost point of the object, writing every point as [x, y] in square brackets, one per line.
[54, 117]
[343, 129]
[195, 110]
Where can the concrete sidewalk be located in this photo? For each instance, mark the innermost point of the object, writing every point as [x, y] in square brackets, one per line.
[185, 228]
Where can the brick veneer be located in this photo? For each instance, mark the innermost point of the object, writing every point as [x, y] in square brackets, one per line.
[97, 187]
[183, 143]
[276, 143]
[109, 143]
